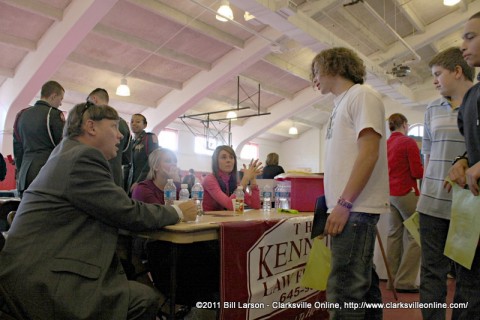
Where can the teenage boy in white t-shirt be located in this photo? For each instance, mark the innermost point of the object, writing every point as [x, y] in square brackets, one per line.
[356, 180]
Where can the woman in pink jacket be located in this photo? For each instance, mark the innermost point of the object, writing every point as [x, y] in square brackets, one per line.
[220, 185]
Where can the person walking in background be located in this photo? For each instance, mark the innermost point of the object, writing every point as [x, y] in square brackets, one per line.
[36, 132]
[356, 180]
[466, 170]
[190, 179]
[100, 96]
[442, 141]
[272, 168]
[142, 144]
[220, 185]
[404, 168]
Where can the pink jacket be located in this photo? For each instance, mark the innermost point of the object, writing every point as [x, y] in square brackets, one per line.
[215, 200]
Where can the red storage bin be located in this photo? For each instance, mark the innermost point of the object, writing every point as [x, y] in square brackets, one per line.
[305, 189]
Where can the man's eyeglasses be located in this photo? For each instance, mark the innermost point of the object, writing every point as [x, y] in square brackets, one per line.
[88, 104]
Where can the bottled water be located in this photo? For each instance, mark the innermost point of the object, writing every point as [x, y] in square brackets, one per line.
[170, 192]
[278, 190]
[239, 200]
[267, 197]
[197, 195]
[284, 195]
[184, 194]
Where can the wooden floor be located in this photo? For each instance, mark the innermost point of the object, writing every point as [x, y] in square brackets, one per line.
[410, 314]
[388, 314]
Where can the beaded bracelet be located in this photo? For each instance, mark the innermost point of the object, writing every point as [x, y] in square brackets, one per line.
[345, 203]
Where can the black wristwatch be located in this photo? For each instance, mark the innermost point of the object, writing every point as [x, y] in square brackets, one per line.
[457, 158]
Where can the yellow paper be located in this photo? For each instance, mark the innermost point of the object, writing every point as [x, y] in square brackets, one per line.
[318, 266]
[464, 230]
[413, 226]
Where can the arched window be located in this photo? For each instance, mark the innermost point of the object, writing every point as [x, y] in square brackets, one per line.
[415, 130]
[168, 138]
[249, 151]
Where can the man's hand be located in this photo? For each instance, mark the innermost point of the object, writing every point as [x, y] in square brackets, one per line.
[189, 210]
[336, 220]
[457, 174]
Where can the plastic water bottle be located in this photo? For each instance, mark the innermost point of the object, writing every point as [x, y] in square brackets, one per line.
[197, 195]
[184, 194]
[267, 197]
[239, 200]
[170, 192]
[278, 190]
[284, 200]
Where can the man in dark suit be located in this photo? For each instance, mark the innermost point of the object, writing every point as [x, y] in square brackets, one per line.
[36, 131]
[59, 259]
[100, 96]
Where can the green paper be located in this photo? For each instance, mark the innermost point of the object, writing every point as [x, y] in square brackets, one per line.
[464, 230]
[413, 226]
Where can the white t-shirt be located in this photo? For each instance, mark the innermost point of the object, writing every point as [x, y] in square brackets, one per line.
[358, 108]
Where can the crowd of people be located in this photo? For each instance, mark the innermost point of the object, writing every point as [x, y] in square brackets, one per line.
[356, 180]
[83, 178]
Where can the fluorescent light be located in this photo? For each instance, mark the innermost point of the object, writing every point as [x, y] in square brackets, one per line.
[224, 12]
[123, 89]
[450, 2]
[232, 115]
[293, 130]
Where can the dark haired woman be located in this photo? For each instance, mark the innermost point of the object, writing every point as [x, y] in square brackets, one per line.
[220, 185]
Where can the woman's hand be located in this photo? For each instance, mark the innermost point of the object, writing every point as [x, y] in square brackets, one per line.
[252, 171]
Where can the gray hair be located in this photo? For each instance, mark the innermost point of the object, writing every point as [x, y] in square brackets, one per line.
[85, 111]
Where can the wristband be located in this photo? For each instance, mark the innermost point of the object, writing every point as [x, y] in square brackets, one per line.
[344, 203]
[458, 158]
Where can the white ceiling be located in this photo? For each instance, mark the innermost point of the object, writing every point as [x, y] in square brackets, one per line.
[179, 60]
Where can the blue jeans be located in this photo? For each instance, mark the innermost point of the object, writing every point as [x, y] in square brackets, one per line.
[353, 277]
[435, 265]
[468, 290]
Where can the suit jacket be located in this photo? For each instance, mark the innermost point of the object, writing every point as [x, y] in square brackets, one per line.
[142, 146]
[124, 154]
[33, 141]
[59, 260]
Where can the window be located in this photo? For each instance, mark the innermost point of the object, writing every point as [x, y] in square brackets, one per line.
[416, 130]
[249, 151]
[168, 138]
[201, 146]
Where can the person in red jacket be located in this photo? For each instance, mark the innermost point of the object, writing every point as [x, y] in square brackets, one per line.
[404, 168]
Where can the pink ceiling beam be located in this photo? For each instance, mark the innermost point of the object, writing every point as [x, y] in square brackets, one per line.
[38, 66]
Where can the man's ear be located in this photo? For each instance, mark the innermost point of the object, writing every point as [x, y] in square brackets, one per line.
[90, 127]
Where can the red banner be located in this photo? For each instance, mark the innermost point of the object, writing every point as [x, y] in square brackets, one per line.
[261, 267]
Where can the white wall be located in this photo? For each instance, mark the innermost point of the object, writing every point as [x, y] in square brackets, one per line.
[414, 115]
[302, 152]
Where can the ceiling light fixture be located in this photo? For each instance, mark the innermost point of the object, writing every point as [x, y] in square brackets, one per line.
[232, 115]
[224, 12]
[450, 2]
[293, 130]
[123, 89]
[248, 16]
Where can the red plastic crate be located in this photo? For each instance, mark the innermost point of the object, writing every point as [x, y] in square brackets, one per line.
[304, 191]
